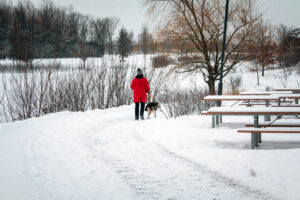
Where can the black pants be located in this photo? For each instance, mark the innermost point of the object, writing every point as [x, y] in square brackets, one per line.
[137, 111]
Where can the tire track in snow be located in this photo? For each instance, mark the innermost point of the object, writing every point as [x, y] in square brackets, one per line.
[156, 173]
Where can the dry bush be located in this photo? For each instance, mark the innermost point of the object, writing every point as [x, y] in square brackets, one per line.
[161, 61]
[189, 58]
[183, 102]
[284, 76]
[234, 84]
[157, 78]
[35, 93]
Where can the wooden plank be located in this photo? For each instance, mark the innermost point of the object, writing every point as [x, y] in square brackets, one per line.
[288, 106]
[251, 113]
[287, 89]
[269, 130]
[274, 125]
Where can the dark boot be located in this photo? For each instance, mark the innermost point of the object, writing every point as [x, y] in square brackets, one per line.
[137, 111]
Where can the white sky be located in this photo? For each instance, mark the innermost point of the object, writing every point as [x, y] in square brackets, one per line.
[285, 12]
[133, 16]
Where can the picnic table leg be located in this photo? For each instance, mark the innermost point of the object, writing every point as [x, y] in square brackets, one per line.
[278, 116]
[296, 100]
[257, 135]
[267, 117]
[213, 125]
[253, 140]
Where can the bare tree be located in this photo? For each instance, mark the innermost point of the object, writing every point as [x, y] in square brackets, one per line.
[201, 22]
[145, 40]
[111, 29]
[266, 47]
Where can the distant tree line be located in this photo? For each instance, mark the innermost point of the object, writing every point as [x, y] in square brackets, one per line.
[28, 32]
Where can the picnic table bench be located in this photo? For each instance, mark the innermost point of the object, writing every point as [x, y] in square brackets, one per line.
[256, 132]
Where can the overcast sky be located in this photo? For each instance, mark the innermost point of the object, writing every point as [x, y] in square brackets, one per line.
[132, 14]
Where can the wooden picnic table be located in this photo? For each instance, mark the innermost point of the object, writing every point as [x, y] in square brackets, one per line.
[255, 112]
[247, 98]
[252, 111]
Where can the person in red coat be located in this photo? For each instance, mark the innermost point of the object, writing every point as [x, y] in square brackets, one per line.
[140, 87]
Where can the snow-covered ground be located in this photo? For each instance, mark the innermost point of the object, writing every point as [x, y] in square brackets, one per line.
[105, 154]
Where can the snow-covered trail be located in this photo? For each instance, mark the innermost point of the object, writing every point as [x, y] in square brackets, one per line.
[101, 155]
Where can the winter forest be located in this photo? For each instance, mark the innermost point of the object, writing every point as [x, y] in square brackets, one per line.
[67, 128]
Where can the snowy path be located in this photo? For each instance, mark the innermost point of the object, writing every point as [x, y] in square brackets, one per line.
[100, 155]
[154, 172]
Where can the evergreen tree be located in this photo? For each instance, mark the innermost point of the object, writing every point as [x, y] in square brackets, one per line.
[125, 43]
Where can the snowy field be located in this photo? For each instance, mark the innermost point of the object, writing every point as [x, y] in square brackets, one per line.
[105, 154]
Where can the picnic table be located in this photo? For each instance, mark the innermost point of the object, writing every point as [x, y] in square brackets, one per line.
[256, 112]
[238, 98]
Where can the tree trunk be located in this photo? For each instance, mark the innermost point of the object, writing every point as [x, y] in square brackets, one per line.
[257, 74]
[211, 87]
[262, 70]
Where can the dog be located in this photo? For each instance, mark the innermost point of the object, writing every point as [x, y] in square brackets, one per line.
[152, 107]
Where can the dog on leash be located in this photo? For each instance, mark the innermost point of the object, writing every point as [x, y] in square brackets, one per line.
[152, 107]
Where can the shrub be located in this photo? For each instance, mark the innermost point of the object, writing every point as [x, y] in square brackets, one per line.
[234, 83]
[161, 61]
[183, 102]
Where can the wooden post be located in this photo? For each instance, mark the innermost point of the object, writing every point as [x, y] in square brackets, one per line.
[213, 125]
[217, 119]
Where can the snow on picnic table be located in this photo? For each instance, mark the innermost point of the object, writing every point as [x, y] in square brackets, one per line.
[105, 154]
[260, 92]
[240, 97]
[240, 109]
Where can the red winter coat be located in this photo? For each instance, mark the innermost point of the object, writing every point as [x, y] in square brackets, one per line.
[140, 87]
